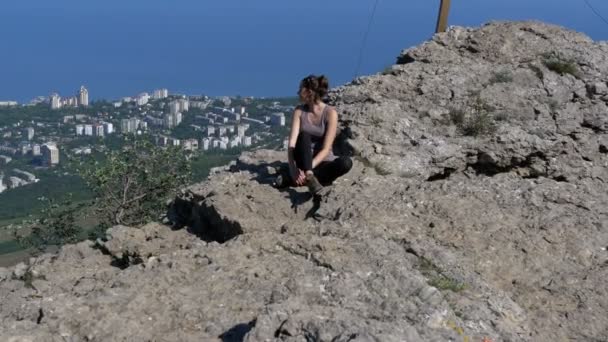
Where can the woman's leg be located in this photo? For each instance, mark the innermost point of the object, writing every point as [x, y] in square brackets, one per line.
[327, 172]
[303, 152]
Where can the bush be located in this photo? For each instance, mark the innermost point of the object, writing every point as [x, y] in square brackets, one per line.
[132, 185]
[475, 120]
[560, 65]
[56, 226]
[504, 76]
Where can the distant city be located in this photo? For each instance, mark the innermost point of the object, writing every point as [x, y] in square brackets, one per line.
[72, 126]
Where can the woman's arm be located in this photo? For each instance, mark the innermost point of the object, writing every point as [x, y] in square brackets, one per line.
[330, 135]
[293, 138]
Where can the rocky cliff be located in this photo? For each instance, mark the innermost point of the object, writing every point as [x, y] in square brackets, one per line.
[477, 210]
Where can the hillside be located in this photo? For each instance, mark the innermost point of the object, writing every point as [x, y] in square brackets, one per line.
[477, 210]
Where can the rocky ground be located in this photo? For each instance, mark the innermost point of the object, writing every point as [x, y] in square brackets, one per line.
[477, 210]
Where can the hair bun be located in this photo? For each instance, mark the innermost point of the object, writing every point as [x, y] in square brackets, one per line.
[322, 86]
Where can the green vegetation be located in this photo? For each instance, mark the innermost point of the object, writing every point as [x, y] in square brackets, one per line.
[56, 226]
[475, 119]
[560, 65]
[504, 76]
[438, 278]
[132, 185]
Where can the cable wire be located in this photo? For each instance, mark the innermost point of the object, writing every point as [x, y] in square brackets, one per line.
[596, 11]
[364, 43]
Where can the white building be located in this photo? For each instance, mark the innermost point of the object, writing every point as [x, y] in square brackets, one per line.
[129, 125]
[277, 119]
[55, 101]
[184, 105]
[88, 130]
[223, 145]
[8, 103]
[173, 119]
[246, 141]
[5, 160]
[98, 130]
[142, 99]
[108, 127]
[28, 133]
[205, 142]
[36, 150]
[50, 154]
[160, 94]
[173, 107]
[79, 129]
[221, 131]
[83, 96]
[190, 144]
[240, 130]
[210, 130]
[29, 177]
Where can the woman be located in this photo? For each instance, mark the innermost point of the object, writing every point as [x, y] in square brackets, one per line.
[313, 130]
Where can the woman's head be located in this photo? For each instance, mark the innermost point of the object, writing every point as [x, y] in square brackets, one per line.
[313, 88]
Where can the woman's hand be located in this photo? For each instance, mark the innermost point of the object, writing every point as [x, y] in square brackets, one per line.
[301, 178]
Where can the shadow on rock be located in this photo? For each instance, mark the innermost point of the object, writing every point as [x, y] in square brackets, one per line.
[237, 333]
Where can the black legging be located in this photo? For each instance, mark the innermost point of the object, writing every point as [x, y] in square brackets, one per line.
[327, 171]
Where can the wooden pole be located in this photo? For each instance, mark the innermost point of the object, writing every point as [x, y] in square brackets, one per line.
[442, 20]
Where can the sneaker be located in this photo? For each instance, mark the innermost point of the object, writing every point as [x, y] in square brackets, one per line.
[313, 184]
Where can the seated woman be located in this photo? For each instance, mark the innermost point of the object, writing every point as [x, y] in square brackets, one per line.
[313, 130]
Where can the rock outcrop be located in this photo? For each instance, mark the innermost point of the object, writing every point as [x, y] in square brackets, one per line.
[477, 210]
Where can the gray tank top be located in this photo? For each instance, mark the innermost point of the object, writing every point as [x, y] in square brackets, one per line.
[315, 130]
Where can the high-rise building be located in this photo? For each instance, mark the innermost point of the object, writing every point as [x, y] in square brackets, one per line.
[240, 130]
[205, 143]
[98, 130]
[88, 130]
[36, 150]
[277, 119]
[83, 96]
[142, 99]
[55, 101]
[246, 141]
[28, 133]
[25, 147]
[108, 127]
[50, 154]
[173, 107]
[79, 129]
[221, 131]
[160, 94]
[129, 125]
[173, 119]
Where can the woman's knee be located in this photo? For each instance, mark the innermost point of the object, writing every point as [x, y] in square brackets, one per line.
[345, 164]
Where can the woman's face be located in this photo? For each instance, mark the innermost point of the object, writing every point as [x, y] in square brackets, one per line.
[304, 94]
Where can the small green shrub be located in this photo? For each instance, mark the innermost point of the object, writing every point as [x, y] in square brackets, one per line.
[437, 278]
[457, 116]
[504, 76]
[477, 124]
[475, 120]
[441, 282]
[560, 65]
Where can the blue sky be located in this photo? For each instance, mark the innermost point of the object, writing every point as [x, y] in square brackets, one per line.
[228, 47]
